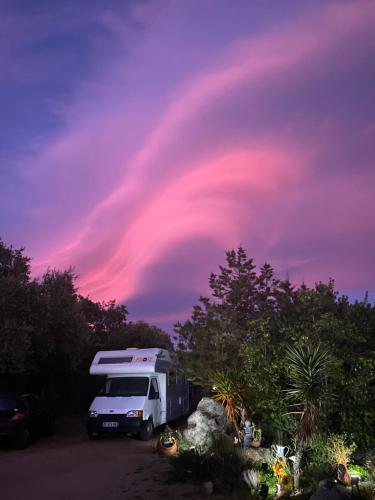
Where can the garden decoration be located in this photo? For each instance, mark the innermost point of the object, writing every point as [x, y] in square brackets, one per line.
[279, 451]
[167, 443]
[257, 437]
[247, 433]
[251, 478]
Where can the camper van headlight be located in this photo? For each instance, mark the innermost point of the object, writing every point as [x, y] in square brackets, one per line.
[135, 413]
[93, 414]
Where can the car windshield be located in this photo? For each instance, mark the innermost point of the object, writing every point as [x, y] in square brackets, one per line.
[126, 386]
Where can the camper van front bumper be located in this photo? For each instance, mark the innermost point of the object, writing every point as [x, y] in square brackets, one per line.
[114, 423]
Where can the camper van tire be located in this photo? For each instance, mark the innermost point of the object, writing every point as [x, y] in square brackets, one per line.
[148, 431]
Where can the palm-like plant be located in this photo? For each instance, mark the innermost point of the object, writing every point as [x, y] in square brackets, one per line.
[227, 390]
[308, 370]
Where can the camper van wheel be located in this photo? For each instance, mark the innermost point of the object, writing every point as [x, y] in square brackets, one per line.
[148, 431]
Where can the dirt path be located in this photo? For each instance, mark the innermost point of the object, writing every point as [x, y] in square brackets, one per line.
[70, 467]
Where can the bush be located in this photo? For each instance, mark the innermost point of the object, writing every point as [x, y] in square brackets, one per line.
[339, 450]
[359, 471]
[221, 462]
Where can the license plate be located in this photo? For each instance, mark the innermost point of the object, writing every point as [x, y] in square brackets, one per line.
[110, 424]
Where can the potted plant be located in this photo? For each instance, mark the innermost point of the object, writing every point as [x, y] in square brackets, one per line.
[167, 443]
[257, 437]
[339, 453]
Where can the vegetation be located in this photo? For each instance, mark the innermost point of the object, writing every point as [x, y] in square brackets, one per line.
[308, 370]
[226, 389]
[246, 327]
[49, 333]
[338, 450]
[299, 360]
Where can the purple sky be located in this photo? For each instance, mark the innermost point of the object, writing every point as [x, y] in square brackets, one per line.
[141, 139]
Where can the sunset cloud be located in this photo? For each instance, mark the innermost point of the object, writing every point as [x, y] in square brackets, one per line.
[198, 140]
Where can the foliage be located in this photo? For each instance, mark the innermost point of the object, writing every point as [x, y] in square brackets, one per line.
[227, 390]
[222, 461]
[257, 433]
[167, 435]
[339, 450]
[358, 470]
[251, 478]
[250, 319]
[49, 333]
[308, 370]
[317, 451]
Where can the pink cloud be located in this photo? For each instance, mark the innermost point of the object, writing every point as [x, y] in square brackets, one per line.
[159, 188]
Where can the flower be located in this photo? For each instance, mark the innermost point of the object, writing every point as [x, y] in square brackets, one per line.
[276, 468]
[279, 471]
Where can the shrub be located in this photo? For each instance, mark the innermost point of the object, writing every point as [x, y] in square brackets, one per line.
[359, 471]
[338, 449]
[221, 462]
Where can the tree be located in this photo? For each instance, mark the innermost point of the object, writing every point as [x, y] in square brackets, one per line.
[222, 324]
[15, 329]
[49, 333]
[308, 371]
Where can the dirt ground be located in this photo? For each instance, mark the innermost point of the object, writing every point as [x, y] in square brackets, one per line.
[68, 466]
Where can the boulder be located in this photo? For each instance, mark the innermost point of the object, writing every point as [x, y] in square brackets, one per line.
[330, 490]
[209, 418]
[263, 455]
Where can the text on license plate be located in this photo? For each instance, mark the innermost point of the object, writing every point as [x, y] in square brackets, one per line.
[110, 424]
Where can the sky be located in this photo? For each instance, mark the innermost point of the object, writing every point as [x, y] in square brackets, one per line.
[140, 140]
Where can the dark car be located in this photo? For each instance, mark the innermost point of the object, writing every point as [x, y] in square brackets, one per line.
[24, 417]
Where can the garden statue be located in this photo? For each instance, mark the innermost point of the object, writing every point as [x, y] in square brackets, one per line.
[247, 433]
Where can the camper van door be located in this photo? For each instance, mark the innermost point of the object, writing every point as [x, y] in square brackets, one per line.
[154, 397]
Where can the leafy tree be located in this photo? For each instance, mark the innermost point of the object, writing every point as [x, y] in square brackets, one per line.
[15, 330]
[49, 333]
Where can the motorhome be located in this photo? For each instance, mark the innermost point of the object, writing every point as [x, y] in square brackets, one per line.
[143, 389]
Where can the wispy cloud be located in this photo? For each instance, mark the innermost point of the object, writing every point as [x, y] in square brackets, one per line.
[238, 144]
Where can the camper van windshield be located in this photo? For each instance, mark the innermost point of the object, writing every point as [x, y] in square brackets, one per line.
[127, 386]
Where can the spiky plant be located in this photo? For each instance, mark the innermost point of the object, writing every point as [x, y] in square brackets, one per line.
[308, 370]
[226, 390]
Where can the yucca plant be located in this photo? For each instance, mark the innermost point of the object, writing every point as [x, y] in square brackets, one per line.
[308, 370]
[227, 390]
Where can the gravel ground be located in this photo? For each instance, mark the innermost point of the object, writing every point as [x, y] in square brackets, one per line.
[68, 466]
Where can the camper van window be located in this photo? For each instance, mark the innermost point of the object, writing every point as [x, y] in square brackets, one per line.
[172, 377]
[113, 361]
[127, 386]
[154, 390]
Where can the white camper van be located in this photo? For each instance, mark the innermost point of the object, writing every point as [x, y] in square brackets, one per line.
[143, 389]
